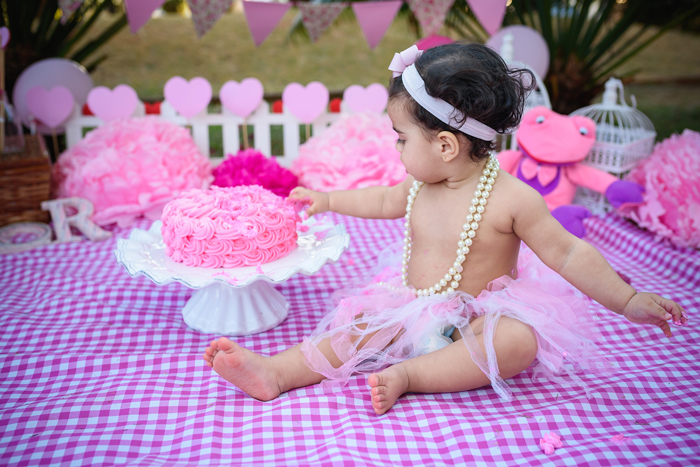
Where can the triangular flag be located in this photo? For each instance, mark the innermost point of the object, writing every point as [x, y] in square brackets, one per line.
[205, 13]
[263, 18]
[430, 13]
[490, 13]
[68, 7]
[138, 12]
[375, 18]
[317, 17]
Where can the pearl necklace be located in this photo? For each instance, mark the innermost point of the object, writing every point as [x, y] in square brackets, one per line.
[450, 281]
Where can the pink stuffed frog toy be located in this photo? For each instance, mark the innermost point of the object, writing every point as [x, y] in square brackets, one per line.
[551, 148]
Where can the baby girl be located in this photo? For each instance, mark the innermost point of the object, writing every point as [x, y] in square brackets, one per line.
[473, 308]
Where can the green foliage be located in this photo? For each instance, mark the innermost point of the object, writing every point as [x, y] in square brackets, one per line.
[38, 32]
[587, 39]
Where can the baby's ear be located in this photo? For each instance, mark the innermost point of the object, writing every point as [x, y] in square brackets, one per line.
[449, 145]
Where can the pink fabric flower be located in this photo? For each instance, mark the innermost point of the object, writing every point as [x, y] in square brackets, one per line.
[550, 442]
[251, 167]
[130, 168]
[357, 151]
[671, 177]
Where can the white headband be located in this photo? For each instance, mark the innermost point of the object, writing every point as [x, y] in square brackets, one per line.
[443, 111]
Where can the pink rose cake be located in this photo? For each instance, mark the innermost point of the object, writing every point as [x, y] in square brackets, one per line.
[229, 227]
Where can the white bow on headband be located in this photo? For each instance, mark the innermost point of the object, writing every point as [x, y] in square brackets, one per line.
[404, 59]
[403, 65]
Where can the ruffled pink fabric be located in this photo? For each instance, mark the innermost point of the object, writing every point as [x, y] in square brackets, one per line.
[671, 176]
[251, 167]
[539, 297]
[131, 168]
[357, 151]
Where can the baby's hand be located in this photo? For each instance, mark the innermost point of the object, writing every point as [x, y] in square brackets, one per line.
[649, 308]
[318, 200]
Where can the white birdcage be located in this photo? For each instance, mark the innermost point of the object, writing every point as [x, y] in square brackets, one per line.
[537, 97]
[624, 136]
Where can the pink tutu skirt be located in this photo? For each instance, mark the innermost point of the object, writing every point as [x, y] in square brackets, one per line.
[399, 326]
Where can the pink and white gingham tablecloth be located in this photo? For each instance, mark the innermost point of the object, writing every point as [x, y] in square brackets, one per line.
[98, 368]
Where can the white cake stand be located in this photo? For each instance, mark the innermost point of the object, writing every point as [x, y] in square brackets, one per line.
[233, 301]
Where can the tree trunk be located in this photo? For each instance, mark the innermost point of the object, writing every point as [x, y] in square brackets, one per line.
[569, 85]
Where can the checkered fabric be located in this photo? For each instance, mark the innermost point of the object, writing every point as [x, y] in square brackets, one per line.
[98, 368]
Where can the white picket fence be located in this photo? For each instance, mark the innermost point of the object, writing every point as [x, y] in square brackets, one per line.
[262, 121]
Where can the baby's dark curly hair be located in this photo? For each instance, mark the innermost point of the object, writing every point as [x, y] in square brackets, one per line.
[475, 80]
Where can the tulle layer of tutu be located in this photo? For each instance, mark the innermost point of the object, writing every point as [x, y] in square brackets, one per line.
[382, 324]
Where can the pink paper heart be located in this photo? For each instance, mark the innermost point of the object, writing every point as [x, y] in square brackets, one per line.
[51, 107]
[242, 98]
[189, 98]
[110, 105]
[373, 98]
[305, 103]
[4, 37]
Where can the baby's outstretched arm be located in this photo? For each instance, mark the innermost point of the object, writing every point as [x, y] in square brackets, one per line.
[377, 202]
[584, 267]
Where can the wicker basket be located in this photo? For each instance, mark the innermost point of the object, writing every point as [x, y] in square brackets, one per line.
[25, 181]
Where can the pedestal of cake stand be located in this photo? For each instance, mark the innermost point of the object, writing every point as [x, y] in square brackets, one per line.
[233, 301]
[235, 311]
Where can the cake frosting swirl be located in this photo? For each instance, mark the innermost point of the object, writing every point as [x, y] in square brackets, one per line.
[229, 227]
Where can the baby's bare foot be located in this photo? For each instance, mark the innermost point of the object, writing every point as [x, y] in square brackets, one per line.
[211, 352]
[248, 371]
[387, 386]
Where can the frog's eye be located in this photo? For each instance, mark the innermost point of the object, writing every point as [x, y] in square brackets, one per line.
[540, 119]
[583, 130]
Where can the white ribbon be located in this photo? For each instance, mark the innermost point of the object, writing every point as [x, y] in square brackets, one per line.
[443, 111]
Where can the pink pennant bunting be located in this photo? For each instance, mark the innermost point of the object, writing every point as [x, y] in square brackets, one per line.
[68, 7]
[207, 12]
[375, 18]
[138, 12]
[430, 13]
[318, 16]
[263, 18]
[490, 13]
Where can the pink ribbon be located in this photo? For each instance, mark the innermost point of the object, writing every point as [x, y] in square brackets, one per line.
[544, 173]
[404, 59]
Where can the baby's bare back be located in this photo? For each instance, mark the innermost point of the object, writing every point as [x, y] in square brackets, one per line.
[438, 215]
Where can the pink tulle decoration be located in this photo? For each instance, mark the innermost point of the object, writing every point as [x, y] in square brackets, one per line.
[130, 168]
[251, 167]
[357, 151]
[671, 176]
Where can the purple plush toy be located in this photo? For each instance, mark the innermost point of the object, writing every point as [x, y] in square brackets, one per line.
[552, 147]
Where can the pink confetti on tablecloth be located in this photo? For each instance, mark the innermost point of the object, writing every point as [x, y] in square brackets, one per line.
[619, 439]
[550, 442]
